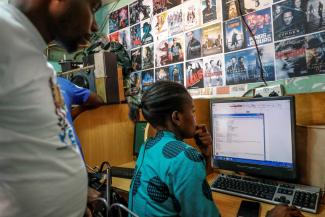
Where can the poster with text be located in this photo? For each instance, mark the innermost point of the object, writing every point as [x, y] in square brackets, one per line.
[315, 15]
[213, 71]
[159, 6]
[134, 13]
[176, 49]
[147, 79]
[124, 38]
[260, 24]
[244, 66]
[234, 36]
[136, 59]
[212, 39]
[230, 9]
[288, 21]
[160, 25]
[315, 53]
[211, 11]
[175, 21]
[290, 58]
[249, 6]
[162, 74]
[136, 81]
[173, 3]
[135, 35]
[194, 74]
[193, 44]
[119, 19]
[146, 32]
[114, 37]
[147, 56]
[161, 53]
[191, 14]
[176, 73]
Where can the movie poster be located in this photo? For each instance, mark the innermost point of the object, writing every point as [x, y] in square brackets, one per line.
[315, 15]
[176, 73]
[159, 6]
[212, 40]
[134, 13]
[136, 59]
[136, 81]
[234, 37]
[193, 44]
[147, 35]
[230, 9]
[194, 74]
[211, 11]
[147, 79]
[175, 21]
[145, 9]
[147, 57]
[261, 26]
[288, 21]
[315, 53]
[162, 74]
[213, 71]
[119, 19]
[160, 26]
[124, 38]
[135, 34]
[161, 53]
[244, 67]
[191, 14]
[290, 58]
[176, 49]
[249, 6]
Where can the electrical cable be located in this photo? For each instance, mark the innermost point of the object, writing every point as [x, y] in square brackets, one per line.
[255, 43]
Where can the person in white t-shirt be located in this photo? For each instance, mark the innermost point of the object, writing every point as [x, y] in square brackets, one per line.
[41, 170]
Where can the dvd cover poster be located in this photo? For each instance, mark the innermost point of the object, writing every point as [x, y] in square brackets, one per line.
[212, 40]
[290, 58]
[134, 13]
[162, 74]
[124, 38]
[160, 25]
[234, 36]
[176, 73]
[315, 15]
[230, 9]
[175, 21]
[288, 21]
[194, 74]
[176, 49]
[135, 34]
[136, 81]
[213, 71]
[244, 67]
[147, 57]
[119, 19]
[161, 53]
[145, 9]
[211, 11]
[192, 14]
[147, 79]
[159, 6]
[193, 44]
[315, 53]
[261, 26]
[136, 59]
[249, 6]
[146, 32]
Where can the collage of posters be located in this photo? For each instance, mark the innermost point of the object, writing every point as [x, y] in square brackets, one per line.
[212, 43]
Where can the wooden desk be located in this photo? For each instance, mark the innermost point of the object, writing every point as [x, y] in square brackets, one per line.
[228, 205]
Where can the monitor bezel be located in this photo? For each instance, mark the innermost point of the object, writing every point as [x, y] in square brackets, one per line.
[279, 173]
[134, 136]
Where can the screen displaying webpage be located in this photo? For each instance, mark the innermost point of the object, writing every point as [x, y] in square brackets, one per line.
[256, 132]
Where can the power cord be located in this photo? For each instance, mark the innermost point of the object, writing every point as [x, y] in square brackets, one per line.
[255, 43]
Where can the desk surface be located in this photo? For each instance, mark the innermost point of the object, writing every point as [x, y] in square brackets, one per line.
[228, 205]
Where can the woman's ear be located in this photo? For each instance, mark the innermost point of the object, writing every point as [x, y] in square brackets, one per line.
[176, 118]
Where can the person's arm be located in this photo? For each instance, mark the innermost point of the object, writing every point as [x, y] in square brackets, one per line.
[191, 192]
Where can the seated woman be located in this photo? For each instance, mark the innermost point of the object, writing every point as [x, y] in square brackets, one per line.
[170, 177]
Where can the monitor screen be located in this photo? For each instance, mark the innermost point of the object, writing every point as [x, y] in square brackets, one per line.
[255, 135]
[139, 136]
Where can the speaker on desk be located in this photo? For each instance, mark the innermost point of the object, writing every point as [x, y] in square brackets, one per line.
[109, 77]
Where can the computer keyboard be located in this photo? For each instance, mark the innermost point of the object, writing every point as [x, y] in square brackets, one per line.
[122, 172]
[304, 197]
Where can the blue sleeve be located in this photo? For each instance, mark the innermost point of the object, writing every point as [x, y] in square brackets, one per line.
[191, 190]
[77, 95]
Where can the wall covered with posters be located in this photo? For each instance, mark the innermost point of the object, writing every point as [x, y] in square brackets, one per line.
[204, 44]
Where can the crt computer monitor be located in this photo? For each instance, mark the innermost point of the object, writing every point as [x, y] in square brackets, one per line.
[255, 135]
[140, 129]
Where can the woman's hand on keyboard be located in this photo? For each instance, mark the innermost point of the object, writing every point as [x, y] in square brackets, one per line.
[284, 211]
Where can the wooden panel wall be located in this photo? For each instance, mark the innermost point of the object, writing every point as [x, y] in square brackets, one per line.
[107, 134]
